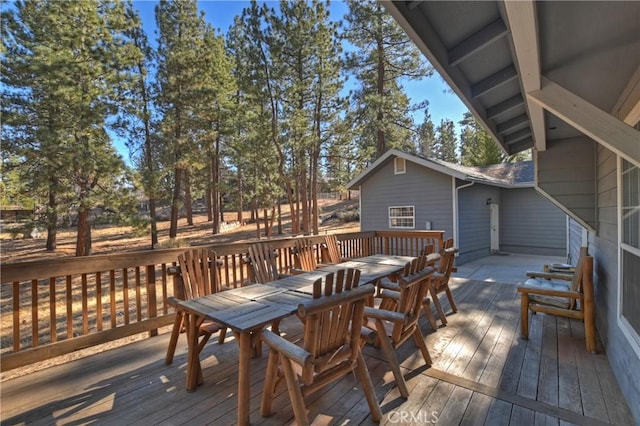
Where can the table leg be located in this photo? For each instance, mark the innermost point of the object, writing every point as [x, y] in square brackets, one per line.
[193, 357]
[244, 373]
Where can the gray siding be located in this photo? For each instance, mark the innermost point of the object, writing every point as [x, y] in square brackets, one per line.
[575, 241]
[566, 172]
[427, 190]
[604, 247]
[474, 221]
[531, 224]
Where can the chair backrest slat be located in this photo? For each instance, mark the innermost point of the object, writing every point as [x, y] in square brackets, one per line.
[328, 326]
[198, 272]
[305, 255]
[331, 250]
[262, 257]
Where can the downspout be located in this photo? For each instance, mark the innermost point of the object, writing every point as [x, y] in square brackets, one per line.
[456, 227]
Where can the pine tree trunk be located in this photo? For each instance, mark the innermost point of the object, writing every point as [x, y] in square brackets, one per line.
[240, 198]
[215, 187]
[52, 222]
[314, 195]
[83, 240]
[209, 203]
[304, 199]
[175, 203]
[280, 230]
[380, 137]
[154, 225]
[188, 204]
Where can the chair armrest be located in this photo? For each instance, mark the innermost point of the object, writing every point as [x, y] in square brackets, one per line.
[548, 292]
[384, 315]
[286, 348]
[388, 285]
[550, 275]
[173, 301]
[390, 294]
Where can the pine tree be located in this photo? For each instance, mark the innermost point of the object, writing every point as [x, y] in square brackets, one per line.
[63, 66]
[446, 143]
[255, 146]
[384, 56]
[180, 67]
[476, 146]
[136, 123]
[426, 136]
[215, 113]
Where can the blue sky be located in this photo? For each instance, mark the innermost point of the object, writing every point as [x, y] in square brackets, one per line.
[442, 102]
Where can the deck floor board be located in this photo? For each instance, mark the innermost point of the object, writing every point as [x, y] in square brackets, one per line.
[483, 373]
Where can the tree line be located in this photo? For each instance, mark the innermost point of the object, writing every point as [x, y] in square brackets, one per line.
[289, 101]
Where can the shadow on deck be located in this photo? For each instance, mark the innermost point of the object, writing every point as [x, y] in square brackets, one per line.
[483, 373]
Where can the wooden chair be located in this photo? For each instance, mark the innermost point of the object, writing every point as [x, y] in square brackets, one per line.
[396, 317]
[304, 256]
[561, 294]
[330, 348]
[197, 275]
[331, 250]
[440, 283]
[262, 258]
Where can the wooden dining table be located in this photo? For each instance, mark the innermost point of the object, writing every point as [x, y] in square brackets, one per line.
[248, 310]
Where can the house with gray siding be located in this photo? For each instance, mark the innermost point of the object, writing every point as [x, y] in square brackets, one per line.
[485, 209]
[562, 79]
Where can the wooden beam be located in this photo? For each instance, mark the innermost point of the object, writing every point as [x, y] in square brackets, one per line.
[516, 147]
[521, 16]
[600, 126]
[517, 136]
[627, 108]
[505, 106]
[513, 124]
[494, 81]
[489, 34]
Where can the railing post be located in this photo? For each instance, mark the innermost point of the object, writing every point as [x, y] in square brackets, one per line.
[152, 303]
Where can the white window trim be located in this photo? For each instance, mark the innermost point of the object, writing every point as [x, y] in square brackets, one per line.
[402, 227]
[628, 331]
[396, 169]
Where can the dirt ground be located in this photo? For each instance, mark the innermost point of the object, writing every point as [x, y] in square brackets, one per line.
[117, 239]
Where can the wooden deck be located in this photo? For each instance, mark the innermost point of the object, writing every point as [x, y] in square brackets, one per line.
[483, 373]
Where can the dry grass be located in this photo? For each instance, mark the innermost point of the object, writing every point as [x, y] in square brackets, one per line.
[118, 239]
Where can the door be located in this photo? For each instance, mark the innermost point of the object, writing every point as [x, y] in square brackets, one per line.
[495, 228]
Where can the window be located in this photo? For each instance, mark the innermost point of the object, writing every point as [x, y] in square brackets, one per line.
[402, 217]
[630, 250]
[399, 166]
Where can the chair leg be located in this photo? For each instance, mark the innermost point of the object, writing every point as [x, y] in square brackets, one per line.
[392, 358]
[524, 316]
[426, 307]
[452, 302]
[270, 381]
[367, 387]
[436, 303]
[222, 334]
[295, 394]
[419, 338]
[173, 341]
[203, 342]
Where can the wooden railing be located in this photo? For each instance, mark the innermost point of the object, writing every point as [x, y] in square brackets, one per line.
[54, 307]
